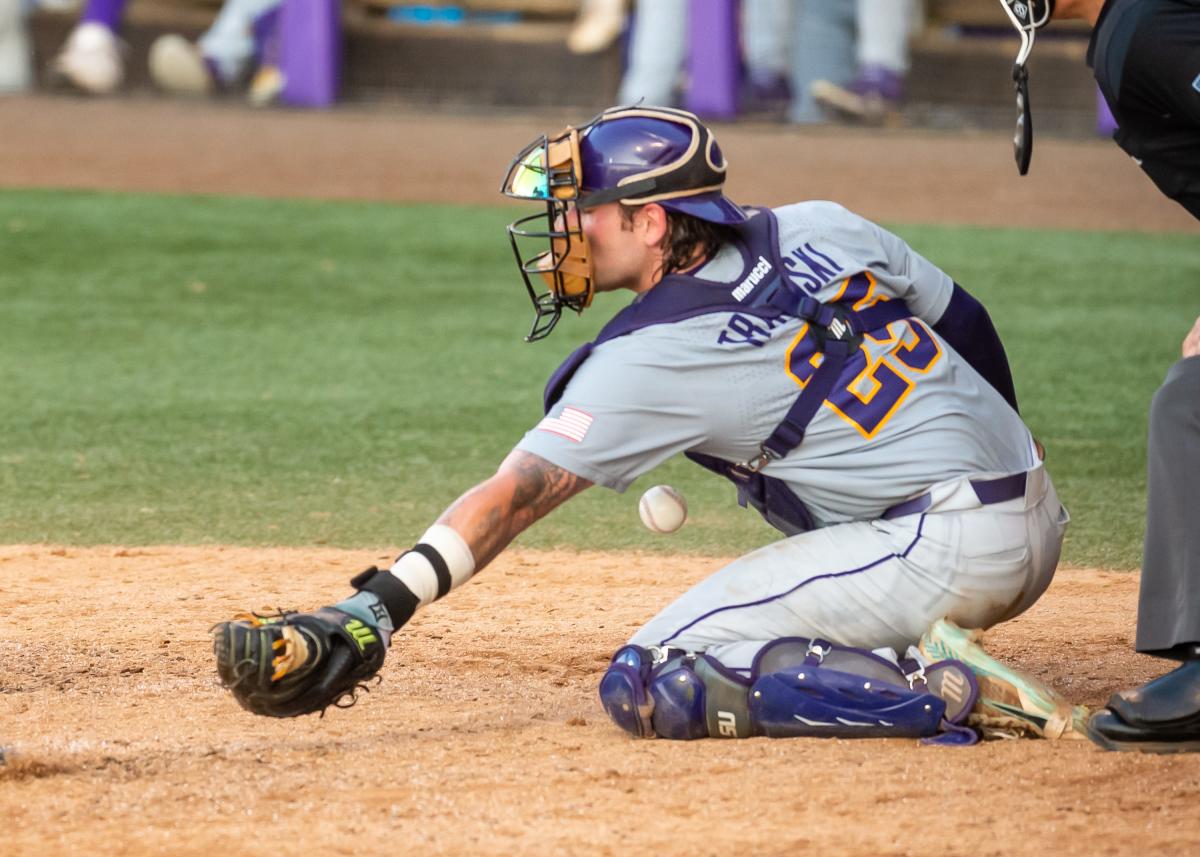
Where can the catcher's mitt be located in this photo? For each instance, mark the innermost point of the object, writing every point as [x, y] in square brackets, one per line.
[296, 663]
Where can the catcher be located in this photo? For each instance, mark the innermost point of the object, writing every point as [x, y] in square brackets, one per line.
[856, 397]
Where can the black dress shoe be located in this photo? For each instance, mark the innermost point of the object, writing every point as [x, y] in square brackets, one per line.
[1173, 698]
[1108, 730]
[1161, 716]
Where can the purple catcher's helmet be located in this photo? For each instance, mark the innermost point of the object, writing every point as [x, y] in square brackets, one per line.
[654, 154]
[631, 155]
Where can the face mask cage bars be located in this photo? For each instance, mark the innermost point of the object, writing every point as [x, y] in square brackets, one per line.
[1021, 12]
[558, 186]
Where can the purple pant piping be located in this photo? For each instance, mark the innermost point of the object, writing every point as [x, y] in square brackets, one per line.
[801, 584]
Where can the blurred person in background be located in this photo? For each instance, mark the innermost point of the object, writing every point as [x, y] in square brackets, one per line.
[91, 61]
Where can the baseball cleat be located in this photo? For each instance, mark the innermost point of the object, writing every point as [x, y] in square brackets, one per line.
[90, 61]
[1010, 702]
[178, 67]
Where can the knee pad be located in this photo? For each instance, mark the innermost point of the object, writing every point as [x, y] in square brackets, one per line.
[683, 698]
[678, 696]
[623, 691]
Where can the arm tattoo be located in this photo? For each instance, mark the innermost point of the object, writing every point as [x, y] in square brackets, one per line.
[525, 489]
[540, 486]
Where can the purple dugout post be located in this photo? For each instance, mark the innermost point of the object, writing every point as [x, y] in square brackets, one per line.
[106, 12]
[310, 52]
[713, 58]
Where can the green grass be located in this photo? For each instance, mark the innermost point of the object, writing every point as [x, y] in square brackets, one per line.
[215, 370]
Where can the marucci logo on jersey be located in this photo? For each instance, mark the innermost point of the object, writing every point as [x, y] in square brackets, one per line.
[572, 423]
[756, 275]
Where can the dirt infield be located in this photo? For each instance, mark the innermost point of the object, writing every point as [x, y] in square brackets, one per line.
[486, 736]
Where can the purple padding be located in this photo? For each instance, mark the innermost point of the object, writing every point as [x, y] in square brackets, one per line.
[713, 58]
[310, 52]
[1106, 124]
[106, 12]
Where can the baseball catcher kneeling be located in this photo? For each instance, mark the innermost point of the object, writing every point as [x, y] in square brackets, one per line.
[853, 394]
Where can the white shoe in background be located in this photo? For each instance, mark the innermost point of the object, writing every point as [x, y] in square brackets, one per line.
[15, 57]
[599, 24]
[90, 61]
[266, 86]
[178, 67]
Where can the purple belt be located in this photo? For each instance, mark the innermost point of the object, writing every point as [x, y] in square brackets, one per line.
[988, 491]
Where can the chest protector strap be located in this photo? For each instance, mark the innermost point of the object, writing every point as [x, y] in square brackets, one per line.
[838, 329]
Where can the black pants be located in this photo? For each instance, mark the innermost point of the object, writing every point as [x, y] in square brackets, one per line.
[1146, 58]
[1169, 601]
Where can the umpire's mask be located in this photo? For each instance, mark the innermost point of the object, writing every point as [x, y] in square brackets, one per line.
[1028, 16]
[631, 155]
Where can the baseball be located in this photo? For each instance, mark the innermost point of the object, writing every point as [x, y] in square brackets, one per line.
[662, 509]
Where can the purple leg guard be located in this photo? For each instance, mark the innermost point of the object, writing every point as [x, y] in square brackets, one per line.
[106, 12]
[814, 701]
[623, 691]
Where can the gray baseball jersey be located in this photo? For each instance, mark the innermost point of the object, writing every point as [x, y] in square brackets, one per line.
[917, 413]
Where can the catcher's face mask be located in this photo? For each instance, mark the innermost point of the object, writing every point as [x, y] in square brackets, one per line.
[631, 155]
[1028, 16]
[548, 170]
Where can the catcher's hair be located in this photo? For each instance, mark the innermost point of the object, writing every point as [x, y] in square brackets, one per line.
[688, 239]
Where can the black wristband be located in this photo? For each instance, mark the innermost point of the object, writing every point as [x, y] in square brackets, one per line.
[396, 597]
[439, 565]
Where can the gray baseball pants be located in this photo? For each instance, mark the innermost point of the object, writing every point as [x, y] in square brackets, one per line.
[1169, 600]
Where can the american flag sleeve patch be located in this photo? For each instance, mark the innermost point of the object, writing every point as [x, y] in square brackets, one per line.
[572, 423]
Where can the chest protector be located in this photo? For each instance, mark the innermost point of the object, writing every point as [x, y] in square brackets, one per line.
[775, 296]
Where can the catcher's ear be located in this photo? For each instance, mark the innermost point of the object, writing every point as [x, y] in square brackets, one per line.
[652, 219]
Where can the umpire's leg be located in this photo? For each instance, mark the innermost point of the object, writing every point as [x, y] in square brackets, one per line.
[1163, 715]
[1169, 603]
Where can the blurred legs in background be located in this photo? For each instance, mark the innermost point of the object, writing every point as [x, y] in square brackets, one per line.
[657, 51]
[877, 89]
[15, 58]
[222, 57]
[91, 59]
[767, 50]
[824, 48]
